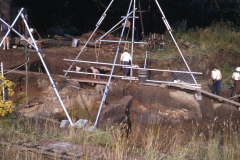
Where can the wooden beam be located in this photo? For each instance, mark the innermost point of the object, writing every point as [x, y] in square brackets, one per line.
[207, 93]
[98, 81]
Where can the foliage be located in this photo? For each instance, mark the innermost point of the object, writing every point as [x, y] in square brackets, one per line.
[6, 106]
[77, 17]
[22, 97]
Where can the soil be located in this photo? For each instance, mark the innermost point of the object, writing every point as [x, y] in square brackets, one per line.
[146, 100]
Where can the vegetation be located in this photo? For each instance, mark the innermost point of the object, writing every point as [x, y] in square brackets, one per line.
[162, 142]
[6, 106]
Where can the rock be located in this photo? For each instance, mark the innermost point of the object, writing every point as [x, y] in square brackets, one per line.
[64, 123]
[192, 46]
[186, 43]
[115, 113]
[80, 123]
[88, 97]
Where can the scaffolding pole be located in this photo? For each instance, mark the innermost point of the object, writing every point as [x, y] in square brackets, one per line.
[170, 32]
[110, 77]
[97, 26]
[39, 53]
[3, 92]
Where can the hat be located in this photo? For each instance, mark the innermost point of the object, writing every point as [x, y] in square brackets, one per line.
[238, 69]
[31, 30]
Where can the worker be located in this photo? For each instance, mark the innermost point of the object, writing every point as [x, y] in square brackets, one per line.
[125, 58]
[236, 77]
[35, 36]
[94, 70]
[216, 77]
[4, 29]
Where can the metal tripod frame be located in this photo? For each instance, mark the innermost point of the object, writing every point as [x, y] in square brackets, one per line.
[39, 51]
[133, 2]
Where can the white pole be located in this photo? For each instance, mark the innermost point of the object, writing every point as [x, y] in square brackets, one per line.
[133, 30]
[170, 32]
[109, 80]
[2, 82]
[114, 27]
[46, 69]
[10, 26]
[97, 26]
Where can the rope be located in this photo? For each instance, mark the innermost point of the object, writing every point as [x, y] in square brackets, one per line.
[97, 54]
[115, 29]
[18, 66]
[127, 38]
[226, 79]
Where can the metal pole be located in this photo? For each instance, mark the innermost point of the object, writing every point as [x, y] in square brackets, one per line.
[97, 26]
[123, 41]
[133, 67]
[26, 65]
[133, 30]
[11, 26]
[133, 78]
[109, 80]
[46, 69]
[145, 60]
[114, 27]
[17, 33]
[2, 82]
[170, 32]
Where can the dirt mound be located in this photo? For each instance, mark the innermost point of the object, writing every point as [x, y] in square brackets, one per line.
[97, 35]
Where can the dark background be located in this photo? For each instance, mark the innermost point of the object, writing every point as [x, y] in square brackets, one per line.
[76, 17]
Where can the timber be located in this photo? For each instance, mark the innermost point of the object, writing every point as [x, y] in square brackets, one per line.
[98, 81]
[206, 93]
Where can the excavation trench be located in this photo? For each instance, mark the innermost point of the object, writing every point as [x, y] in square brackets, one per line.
[151, 106]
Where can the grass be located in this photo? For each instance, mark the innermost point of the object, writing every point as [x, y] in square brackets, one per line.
[214, 141]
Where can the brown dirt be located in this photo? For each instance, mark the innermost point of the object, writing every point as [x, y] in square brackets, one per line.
[150, 98]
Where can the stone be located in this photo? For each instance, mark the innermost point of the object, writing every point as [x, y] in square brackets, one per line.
[64, 123]
[115, 113]
[80, 123]
[186, 43]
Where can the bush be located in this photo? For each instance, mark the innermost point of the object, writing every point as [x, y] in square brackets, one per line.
[6, 106]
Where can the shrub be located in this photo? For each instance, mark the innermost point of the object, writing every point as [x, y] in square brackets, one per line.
[6, 106]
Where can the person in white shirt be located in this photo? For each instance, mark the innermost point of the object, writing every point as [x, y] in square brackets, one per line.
[216, 76]
[125, 58]
[236, 77]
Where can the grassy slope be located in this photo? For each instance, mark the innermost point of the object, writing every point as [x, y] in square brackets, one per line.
[213, 42]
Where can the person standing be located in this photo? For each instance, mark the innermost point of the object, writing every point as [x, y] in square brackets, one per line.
[216, 77]
[125, 58]
[4, 29]
[236, 77]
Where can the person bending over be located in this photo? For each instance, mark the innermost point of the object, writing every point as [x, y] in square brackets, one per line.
[94, 70]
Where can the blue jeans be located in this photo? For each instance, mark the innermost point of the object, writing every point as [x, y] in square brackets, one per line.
[216, 86]
[126, 70]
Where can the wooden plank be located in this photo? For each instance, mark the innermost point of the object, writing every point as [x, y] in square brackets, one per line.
[91, 81]
[21, 72]
[206, 92]
[219, 97]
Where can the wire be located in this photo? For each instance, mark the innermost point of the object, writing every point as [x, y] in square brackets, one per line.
[18, 66]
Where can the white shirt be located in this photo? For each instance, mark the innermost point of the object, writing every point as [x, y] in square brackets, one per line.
[216, 74]
[126, 57]
[235, 76]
